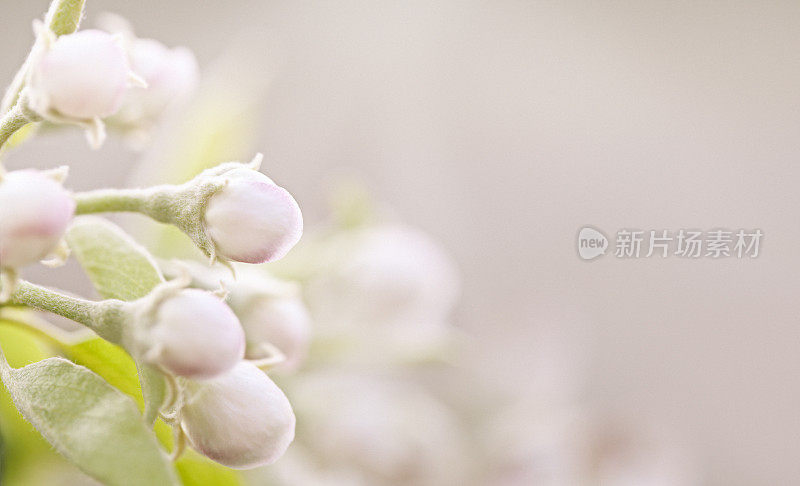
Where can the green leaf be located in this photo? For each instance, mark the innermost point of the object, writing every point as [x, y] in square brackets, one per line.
[64, 16]
[154, 390]
[109, 361]
[196, 470]
[121, 269]
[118, 267]
[25, 448]
[90, 422]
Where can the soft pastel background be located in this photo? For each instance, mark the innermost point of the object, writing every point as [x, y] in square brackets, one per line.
[501, 128]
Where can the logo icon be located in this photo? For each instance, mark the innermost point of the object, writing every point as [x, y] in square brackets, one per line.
[591, 243]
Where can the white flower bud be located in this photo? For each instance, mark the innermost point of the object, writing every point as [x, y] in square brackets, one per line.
[240, 419]
[171, 75]
[280, 320]
[34, 213]
[388, 274]
[195, 335]
[82, 76]
[251, 219]
[392, 432]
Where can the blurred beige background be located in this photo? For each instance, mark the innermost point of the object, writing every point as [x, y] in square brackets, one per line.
[501, 128]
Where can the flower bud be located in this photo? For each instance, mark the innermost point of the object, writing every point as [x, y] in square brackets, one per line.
[34, 213]
[82, 76]
[280, 320]
[195, 335]
[391, 431]
[240, 419]
[386, 274]
[251, 219]
[171, 76]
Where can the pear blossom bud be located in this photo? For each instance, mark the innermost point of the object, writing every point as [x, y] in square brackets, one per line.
[240, 419]
[82, 76]
[282, 321]
[386, 274]
[34, 213]
[252, 219]
[195, 335]
[171, 75]
[391, 431]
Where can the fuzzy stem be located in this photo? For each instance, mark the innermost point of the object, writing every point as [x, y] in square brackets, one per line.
[102, 317]
[112, 200]
[12, 121]
[64, 16]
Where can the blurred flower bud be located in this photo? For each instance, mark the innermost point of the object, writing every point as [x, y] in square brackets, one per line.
[193, 334]
[240, 419]
[272, 311]
[82, 76]
[387, 290]
[386, 274]
[251, 219]
[391, 431]
[171, 75]
[34, 213]
[283, 322]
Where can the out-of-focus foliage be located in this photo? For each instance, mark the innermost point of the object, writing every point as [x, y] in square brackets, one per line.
[89, 421]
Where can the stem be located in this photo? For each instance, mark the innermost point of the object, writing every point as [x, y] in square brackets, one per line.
[112, 200]
[101, 317]
[11, 122]
[64, 16]
[157, 203]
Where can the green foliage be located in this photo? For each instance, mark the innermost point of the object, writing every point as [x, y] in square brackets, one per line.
[118, 267]
[94, 425]
[121, 268]
[110, 362]
[25, 448]
[64, 16]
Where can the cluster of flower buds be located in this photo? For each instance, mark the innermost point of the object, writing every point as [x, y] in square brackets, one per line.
[91, 75]
[34, 213]
[226, 406]
[275, 320]
[230, 410]
[79, 78]
[171, 74]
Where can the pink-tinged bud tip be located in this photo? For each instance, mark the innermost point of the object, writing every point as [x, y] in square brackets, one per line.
[253, 220]
[34, 213]
[240, 419]
[281, 321]
[196, 335]
[171, 75]
[83, 75]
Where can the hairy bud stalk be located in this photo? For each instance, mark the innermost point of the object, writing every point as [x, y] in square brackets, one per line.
[232, 212]
[185, 332]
